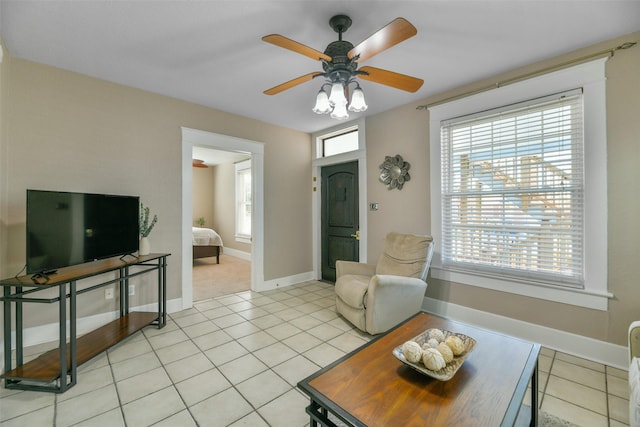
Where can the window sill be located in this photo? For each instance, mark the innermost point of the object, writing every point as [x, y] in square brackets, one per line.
[577, 297]
[243, 239]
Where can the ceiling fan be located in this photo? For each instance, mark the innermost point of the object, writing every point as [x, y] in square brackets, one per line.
[197, 163]
[340, 62]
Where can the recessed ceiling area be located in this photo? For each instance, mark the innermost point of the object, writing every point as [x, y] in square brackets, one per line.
[211, 53]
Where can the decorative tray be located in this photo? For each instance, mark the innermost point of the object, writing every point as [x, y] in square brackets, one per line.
[451, 368]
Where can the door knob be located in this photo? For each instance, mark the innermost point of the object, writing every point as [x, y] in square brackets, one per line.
[357, 235]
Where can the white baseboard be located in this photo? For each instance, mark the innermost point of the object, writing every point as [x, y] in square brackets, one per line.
[566, 342]
[237, 253]
[281, 282]
[49, 332]
[270, 284]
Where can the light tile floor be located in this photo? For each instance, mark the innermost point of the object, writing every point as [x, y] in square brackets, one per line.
[235, 361]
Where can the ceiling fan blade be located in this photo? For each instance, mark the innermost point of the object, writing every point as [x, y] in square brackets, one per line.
[390, 35]
[389, 78]
[286, 43]
[291, 83]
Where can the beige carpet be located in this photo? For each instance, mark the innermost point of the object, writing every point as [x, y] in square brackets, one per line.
[212, 280]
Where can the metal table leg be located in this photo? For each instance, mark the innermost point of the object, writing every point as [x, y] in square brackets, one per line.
[62, 344]
[7, 329]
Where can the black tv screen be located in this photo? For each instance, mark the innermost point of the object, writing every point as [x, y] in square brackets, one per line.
[65, 229]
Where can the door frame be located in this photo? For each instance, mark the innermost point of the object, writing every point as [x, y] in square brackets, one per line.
[316, 203]
[191, 138]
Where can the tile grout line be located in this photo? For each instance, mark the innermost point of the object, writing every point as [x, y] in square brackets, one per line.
[115, 384]
[233, 385]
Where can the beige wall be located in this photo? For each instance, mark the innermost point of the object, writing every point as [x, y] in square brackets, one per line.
[3, 168]
[405, 131]
[401, 131]
[224, 211]
[203, 195]
[70, 132]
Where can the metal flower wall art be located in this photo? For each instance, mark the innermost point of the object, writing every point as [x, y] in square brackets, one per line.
[394, 172]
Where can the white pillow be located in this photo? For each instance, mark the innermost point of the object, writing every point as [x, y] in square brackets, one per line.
[634, 392]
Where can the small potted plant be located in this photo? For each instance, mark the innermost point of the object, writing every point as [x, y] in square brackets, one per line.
[200, 221]
[145, 229]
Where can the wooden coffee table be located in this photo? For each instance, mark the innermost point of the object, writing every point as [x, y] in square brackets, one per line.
[371, 387]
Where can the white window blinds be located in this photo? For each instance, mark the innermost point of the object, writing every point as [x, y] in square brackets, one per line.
[513, 191]
[243, 199]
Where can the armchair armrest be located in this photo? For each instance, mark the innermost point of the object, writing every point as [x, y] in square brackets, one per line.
[634, 340]
[391, 300]
[352, 267]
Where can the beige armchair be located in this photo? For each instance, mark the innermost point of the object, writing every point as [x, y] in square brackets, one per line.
[376, 297]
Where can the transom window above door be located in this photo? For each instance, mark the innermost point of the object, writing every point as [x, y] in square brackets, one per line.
[340, 143]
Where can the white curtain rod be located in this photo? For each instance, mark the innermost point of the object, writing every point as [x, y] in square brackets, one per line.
[608, 52]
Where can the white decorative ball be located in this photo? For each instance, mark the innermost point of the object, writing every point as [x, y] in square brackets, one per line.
[412, 351]
[445, 351]
[433, 360]
[436, 334]
[455, 344]
[432, 343]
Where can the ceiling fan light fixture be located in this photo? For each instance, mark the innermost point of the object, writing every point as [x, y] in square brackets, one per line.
[340, 112]
[358, 103]
[322, 103]
[337, 94]
[340, 61]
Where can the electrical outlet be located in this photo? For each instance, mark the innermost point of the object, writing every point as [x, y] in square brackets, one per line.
[108, 293]
[132, 290]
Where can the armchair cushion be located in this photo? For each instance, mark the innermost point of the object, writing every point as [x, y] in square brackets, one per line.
[404, 255]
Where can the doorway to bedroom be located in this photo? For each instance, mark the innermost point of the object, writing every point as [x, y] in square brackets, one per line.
[222, 223]
[221, 200]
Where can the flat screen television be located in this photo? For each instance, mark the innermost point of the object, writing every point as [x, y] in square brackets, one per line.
[65, 229]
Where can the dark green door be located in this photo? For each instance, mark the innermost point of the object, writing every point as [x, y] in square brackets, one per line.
[340, 225]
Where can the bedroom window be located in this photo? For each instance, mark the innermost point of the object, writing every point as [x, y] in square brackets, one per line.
[519, 188]
[243, 201]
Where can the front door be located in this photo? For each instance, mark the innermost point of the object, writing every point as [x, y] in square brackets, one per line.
[340, 224]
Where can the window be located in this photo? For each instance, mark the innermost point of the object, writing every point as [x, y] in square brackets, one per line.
[243, 201]
[512, 190]
[341, 143]
[519, 188]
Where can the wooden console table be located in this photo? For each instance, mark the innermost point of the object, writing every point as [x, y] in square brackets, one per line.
[56, 370]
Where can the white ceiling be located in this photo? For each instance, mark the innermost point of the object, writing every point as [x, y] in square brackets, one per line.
[211, 52]
[214, 157]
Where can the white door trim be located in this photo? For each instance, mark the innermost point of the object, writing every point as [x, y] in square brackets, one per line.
[195, 137]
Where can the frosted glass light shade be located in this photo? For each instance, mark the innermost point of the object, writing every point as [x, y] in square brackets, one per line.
[322, 103]
[340, 111]
[337, 94]
[358, 103]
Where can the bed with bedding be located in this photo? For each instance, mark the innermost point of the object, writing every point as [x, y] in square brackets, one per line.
[206, 243]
